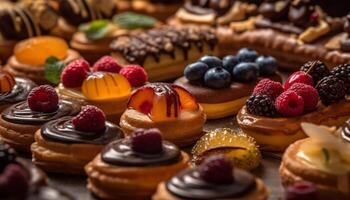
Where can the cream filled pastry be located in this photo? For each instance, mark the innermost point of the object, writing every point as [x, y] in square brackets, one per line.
[67, 144]
[131, 168]
[168, 107]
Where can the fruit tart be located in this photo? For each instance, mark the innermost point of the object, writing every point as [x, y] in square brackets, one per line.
[168, 107]
[166, 56]
[132, 168]
[273, 114]
[31, 54]
[223, 86]
[19, 122]
[322, 159]
[215, 179]
[67, 144]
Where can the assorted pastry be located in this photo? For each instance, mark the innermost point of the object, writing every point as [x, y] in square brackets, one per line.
[273, 113]
[222, 86]
[131, 168]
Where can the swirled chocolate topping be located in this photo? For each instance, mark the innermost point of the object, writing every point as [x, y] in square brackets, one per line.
[62, 130]
[121, 153]
[346, 131]
[275, 10]
[202, 7]
[20, 113]
[18, 93]
[189, 185]
[163, 40]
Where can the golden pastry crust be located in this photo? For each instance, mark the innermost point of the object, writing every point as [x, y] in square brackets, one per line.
[293, 170]
[119, 182]
[260, 193]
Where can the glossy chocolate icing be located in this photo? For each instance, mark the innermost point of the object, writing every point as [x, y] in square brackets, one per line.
[189, 185]
[275, 9]
[120, 153]
[62, 130]
[48, 193]
[20, 113]
[18, 93]
[284, 27]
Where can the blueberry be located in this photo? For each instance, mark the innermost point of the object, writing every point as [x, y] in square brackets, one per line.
[196, 71]
[229, 62]
[246, 72]
[267, 65]
[211, 61]
[217, 78]
[247, 55]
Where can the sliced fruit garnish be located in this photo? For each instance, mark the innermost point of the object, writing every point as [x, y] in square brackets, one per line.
[240, 148]
[142, 100]
[7, 82]
[186, 99]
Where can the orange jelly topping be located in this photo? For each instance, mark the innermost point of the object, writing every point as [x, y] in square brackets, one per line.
[7, 82]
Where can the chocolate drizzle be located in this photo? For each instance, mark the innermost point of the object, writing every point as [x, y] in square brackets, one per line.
[20, 113]
[18, 93]
[189, 185]
[120, 153]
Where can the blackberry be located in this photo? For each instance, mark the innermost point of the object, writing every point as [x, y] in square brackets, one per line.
[343, 72]
[331, 89]
[261, 105]
[318, 71]
[7, 155]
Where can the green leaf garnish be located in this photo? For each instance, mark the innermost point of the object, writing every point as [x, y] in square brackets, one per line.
[130, 20]
[53, 69]
[326, 155]
[96, 29]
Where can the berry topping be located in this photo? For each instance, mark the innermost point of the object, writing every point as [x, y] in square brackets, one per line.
[90, 119]
[43, 98]
[331, 89]
[343, 73]
[14, 182]
[298, 77]
[229, 63]
[247, 55]
[75, 73]
[290, 104]
[7, 82]
[211, 61]
[7, 155]
[217, 77]
[147, 141]
[107, 64]
[261, 105]
[135, 74]
[308, 93]
[246, 72]
[316, 69]
[216, 169]
[267, 65]
[268, 87]
[301, 191]
[195, 71]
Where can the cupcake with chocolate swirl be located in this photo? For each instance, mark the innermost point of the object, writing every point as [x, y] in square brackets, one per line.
[215, 179]
[132, 168]
[19, 122]
[67, 144]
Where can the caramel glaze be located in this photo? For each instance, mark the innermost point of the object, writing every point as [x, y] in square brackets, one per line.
[18, 93]
[189, 185]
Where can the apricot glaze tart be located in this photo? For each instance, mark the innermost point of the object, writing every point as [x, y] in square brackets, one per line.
[168, 107]
[19, 122]
[67, 144]
[322, 159]
[273, 113]
[132, 168]
[215, 179]
[31, 54]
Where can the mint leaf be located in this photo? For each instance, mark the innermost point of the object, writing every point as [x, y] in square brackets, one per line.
[53, 69]
[326, 155]
[130, 20]
[96, 29]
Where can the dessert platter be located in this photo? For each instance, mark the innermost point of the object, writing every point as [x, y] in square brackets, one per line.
[174, 100]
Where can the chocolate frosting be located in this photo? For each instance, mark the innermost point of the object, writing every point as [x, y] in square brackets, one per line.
[189, 185]
[18, 93]
[62, 130]
[20, 113]
[203, 7]
[120, 153]
[284, 27]
[275, 10]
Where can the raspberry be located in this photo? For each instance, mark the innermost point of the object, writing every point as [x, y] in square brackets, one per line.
[290, 104]
[135, 74]
[147, 141]
[318, 71]
[298, 77]
[268, 87]
[75, 73]
[308, 93]
[7, 155]
[216, 169]
[343, 73]
[331, 90]
[14, 182]
[301, 191]
[90, 119]
[43, 98]
[107, 64]
[261, 105]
